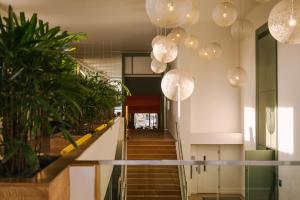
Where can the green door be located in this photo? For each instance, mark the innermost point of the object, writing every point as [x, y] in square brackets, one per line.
[266, 89]
[261, 180]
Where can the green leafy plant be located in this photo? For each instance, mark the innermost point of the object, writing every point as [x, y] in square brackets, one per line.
[99, 102]
[37, 85]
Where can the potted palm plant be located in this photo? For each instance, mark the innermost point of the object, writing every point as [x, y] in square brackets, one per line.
[37, 83]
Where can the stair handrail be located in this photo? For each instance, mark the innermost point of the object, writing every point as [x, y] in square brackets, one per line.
[123, 178]
[182, 175]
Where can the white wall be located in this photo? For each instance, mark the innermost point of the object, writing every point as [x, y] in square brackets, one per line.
[208, 181]
[213, 111]
[288, 103]
[288, 118]
[102, 149]
[214, 105]
[258, 16]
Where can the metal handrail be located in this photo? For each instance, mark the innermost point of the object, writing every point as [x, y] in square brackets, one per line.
[123, 182]
[182, 175]
[199, 162]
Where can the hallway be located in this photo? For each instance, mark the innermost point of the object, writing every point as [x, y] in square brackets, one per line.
[152, 182]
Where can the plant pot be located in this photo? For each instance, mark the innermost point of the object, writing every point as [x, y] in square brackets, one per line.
[43, 186]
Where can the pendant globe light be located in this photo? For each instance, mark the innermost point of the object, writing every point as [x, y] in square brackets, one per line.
[191, 41]
[211, 51]
[177, 85]
[168, 13]
[165, 50]
[177, 35]
[225, 13]
[283, 22]
[192, 17]
[152, 55]
[263, 1]
[158, 67]
[155, 39]
[241, 29]
[237, 76]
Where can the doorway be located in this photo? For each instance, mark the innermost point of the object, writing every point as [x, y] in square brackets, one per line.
[146, 121]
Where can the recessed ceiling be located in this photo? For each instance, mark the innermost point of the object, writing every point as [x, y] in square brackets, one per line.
[122, 23]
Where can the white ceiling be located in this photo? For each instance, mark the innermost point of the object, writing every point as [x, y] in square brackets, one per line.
[124, 23]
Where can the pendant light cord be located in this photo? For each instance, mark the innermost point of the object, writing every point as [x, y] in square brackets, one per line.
[292, 8]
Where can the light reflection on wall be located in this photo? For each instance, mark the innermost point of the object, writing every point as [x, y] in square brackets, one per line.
[270, 127]
[286, 130]
[249, 125]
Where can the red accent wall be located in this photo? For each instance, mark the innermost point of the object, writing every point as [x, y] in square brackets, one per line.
[143, 104]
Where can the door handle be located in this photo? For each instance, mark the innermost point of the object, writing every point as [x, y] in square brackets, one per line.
[204, 166]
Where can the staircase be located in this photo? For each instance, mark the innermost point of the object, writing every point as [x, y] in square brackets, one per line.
[152, 182]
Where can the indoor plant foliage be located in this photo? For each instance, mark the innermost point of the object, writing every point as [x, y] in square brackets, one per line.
[37, 85]
[102, 96]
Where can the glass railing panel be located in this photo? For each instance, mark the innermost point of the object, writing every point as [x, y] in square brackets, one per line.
[206, 180]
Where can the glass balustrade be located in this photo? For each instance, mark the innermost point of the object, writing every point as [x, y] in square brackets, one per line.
[204, 180]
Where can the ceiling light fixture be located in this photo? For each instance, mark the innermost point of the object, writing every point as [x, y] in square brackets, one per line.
[283, 22]
[211, 51]
[191, 41]
[158, 67]
[168, 13]
[177, 35]
[237, 76]
[241, 29]
[165, 50]
[224, 14]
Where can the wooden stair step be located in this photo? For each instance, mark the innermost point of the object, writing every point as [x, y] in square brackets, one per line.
[153, 157]
[153, 187]
[154, 197]
[153, 180]
[154, 175]
[149, 170]
[152, 151]
[150, 148]
[153, 192]
[136, 142]
[157, 167]
[149, 155]
[165, 146]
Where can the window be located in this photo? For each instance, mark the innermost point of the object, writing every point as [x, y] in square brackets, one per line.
[146, 121]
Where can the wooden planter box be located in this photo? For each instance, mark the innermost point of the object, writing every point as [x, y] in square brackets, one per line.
[51, 183]
[56, 189]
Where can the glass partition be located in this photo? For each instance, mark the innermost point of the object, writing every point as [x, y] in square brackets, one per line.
[206, 180]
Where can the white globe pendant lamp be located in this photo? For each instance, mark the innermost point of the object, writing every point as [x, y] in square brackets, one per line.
[241, 29]
[191, 41]
[193, 16]
[225, 13]
[165, 50]
[237, 77]
[168, 13]
[152, 55]
[177, 85]
[155, 39]
[158, 67]
[284, 21]
[177, 35]
[263, 1]
[211, 51]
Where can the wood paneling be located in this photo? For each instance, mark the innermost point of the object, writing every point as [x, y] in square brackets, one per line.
[57, 189]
